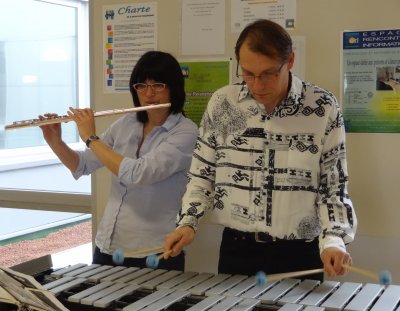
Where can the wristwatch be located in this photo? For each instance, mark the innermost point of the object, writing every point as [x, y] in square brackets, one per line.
[91, 139]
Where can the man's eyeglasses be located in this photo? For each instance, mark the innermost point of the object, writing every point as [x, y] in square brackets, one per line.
[155, 87]
[264, 77]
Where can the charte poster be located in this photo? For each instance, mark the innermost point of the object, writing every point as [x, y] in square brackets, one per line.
[371, 81]
[129, 30]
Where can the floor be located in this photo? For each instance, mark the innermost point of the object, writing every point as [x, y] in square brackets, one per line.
[55, 241]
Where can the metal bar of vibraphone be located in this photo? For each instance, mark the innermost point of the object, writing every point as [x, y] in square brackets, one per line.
[389, 299]
[297, 307]
[198, 279]
[320, 293]
[203, 287]
[272, 296]
[312, 308]
[225, 285]
[144, 302]
[94, 271]
[148, 276]
[131, 276]
[365, 298]
[341, 296]
[240, 288]
[177, 280]
[258, 290]
[151, 284]
[66, 286]
[206, 303]
[89, 291]
[247, 304]
[291, 307]
[119, 274]
[166, 301]
[226, 304]
[101, 275]
[59, 273]
[299, 292]
[58, 282]
[89, 300]
[76, 272]
[107, 300]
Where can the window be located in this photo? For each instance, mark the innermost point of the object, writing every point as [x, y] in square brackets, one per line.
[43, 68]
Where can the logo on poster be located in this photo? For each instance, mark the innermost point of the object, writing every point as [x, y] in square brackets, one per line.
[351, 40]
[185, 71]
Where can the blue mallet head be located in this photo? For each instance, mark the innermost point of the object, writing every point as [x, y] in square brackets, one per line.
[118, 257]
[385, 278]
[152, 261]
[261, 278]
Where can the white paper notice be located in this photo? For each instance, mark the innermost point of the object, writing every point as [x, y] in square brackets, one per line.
[203, 27]
[299, 48]
[244, 12]
[129, 30]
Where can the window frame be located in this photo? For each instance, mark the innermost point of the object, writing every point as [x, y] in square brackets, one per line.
[20, 158]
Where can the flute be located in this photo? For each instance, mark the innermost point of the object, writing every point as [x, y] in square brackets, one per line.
[66, 118]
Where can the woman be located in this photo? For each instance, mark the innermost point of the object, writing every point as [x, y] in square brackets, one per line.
[148, 154]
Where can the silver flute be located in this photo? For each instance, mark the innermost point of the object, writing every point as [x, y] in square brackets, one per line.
[66, 118]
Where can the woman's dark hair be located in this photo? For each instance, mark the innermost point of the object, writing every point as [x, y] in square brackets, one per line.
[266, 37]
[161, 67]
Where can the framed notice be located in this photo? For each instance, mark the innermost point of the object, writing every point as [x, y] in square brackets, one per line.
[129, 30]
[371, 81]
[202, 79]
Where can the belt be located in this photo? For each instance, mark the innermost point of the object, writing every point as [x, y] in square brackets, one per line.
[260, 237]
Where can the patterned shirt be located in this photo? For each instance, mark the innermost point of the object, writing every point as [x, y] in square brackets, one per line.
[146, 195]
[283, 173]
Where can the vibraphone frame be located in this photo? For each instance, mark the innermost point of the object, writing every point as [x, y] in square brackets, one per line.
[95, 287]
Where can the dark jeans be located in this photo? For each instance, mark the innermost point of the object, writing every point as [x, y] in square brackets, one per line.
[172, 263]
[241, 254]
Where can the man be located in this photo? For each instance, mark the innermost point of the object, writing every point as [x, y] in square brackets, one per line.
[270, 166]
[382, 80]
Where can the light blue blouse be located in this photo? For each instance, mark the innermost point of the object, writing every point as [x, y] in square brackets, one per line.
[146, 195]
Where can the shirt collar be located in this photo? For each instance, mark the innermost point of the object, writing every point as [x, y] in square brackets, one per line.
[172, 121]
[295, 91]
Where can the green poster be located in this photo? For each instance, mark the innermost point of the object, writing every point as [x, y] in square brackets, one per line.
[371, 81]
[202, 79]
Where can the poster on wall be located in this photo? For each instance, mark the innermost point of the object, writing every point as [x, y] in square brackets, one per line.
[203, 27]
[129, 30]
[244, 12]
[202, 79]
[371, 81]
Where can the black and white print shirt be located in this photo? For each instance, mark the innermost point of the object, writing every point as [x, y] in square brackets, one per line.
[283, 173]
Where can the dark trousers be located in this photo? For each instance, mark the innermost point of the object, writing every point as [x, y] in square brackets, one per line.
[240, 253]
[172, 263]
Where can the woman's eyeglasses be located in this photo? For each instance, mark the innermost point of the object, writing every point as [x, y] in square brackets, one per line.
[155, 87]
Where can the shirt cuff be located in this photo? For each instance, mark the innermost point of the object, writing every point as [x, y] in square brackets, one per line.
[189, 221]
[331, 241]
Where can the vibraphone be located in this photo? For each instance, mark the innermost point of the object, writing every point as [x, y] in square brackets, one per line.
[96, 287]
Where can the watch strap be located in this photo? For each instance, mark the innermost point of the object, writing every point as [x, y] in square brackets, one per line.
[91, 139]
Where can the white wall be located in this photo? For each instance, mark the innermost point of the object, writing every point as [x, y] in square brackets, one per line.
[373, 169]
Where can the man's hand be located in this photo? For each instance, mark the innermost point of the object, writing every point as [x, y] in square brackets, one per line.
[333, 259]
[176, 240]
